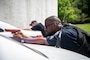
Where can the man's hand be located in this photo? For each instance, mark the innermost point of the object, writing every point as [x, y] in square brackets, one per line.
[17, 36]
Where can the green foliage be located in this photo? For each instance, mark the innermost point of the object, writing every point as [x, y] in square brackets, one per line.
[72, 10]
[83, 6]
[85, 27]
[67, 12]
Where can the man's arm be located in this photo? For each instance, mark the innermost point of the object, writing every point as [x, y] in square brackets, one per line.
[36, 40]
[28, 39]
[27, 29]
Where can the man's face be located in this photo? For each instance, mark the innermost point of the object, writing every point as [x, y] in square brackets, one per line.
[50, 28]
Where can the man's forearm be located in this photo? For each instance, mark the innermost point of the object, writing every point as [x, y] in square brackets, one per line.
[36, 41]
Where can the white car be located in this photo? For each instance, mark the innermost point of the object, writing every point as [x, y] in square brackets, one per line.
[13, 50]
[4, 26]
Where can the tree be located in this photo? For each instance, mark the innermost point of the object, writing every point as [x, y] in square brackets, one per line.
[84, 6]
[72, 10]
[66, 12]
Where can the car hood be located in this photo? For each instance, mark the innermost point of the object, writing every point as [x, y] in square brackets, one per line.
[57, 53]
[13, 50]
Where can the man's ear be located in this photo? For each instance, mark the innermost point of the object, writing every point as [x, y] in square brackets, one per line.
[59, 25]
[55, 23]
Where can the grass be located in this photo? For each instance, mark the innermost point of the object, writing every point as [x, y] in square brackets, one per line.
[85, 27]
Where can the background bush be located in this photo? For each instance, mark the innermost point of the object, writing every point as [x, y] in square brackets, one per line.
[74, 11]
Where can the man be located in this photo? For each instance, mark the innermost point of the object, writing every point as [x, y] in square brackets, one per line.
[38, 27]
[57, 34]
[33, 23]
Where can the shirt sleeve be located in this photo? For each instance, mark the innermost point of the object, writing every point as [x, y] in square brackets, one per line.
[52, 40]
[69, 39]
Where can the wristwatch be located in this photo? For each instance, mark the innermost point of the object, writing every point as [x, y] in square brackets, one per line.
[22, 40]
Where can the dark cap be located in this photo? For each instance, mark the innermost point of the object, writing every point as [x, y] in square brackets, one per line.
[32, 22]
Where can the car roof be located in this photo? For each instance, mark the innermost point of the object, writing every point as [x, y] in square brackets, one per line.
[4, 25]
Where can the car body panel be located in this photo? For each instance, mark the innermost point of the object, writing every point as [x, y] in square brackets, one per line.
[58, 53]
[5, 25]
[13, 50]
